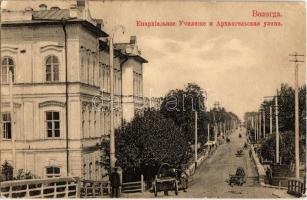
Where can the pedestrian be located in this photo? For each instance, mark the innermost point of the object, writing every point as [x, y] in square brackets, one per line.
[183, 178]
[115, 183]
[250, 153]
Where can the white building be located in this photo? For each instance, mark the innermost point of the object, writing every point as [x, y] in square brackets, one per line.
[59, 59]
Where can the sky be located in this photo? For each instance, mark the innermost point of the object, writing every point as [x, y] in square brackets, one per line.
[237, 66]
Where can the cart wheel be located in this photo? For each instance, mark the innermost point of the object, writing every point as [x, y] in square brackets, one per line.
[176, 188]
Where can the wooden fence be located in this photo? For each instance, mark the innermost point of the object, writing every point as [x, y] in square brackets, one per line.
[61, 187]
[90, 188]
[137, 186]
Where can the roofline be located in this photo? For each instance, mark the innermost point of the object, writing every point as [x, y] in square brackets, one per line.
[98, 32]
[138, 58]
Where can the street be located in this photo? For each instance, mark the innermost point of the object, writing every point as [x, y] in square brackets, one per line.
[210, 178]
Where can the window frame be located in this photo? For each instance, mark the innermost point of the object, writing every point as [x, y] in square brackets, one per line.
[52, 71]
[53, 129]
[3, 126]
[54, 175]
[8, 67]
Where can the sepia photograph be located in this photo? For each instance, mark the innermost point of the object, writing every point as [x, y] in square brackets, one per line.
[152, 99]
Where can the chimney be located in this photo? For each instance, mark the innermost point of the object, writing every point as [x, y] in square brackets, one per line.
[99, 23]
[42, 7]
[55, 8]
[132, 39]
[81, 3]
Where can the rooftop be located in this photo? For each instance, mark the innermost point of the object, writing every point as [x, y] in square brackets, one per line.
[75, 14]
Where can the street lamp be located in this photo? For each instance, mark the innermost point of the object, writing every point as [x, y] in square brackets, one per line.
[112, 136]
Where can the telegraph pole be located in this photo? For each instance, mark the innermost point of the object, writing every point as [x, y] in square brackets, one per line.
[271, 131]
[277, 129]
[112, 134]
[12, 118]
[263, 116]
[256, 127]
[195, 138]
[208, 132]
[297, 135]
[260, 132]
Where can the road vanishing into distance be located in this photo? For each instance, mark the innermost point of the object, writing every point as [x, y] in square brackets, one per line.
[210, 179]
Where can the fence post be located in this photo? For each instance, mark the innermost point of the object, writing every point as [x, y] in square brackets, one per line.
[78, 188]
[27, 191]
[66, 189]
[55, 189]
[94, 189]
[42, 190]
[10, 192]
[142, 183]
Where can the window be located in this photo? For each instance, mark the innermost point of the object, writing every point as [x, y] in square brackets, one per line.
[94, 132]
[82, 70]
[83, 122]
[94, 68]
[7, 66]
[52, 68]
[53, 124]
[84, 171]
[7, 126]
[89, 122]
[90, 170]
[88, 71]
[103, 79]
[52, 172]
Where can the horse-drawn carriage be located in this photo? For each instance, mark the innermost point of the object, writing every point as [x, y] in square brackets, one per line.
[165, 180]
[237, 179]
[239, 152]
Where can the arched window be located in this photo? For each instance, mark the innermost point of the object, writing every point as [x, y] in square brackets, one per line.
[7, 66]
[52, 68]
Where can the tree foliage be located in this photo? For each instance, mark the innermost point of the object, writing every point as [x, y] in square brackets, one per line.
[7, 173]
[287, 148]
[147, 142]
[180, 106]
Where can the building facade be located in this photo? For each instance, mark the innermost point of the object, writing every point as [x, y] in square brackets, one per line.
[57, 108]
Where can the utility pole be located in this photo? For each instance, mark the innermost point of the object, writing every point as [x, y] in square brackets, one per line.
[276, 125]
[256, 127]
[208, 132]
[263, 116]
[112, 134]
[271, 131]
[195, 138]
[12, 118]
[260, 132]
[277, 128]
[297, 134]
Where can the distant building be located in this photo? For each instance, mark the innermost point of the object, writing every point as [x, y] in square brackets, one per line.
[59, 59]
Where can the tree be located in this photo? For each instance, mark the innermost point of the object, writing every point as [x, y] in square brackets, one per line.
[287, 148]
[148, 141]
[7, 171]
[180, 106]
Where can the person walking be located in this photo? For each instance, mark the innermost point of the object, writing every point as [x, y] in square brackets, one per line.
[115, 183]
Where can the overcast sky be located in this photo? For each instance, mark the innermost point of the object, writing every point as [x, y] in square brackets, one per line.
[237, 66]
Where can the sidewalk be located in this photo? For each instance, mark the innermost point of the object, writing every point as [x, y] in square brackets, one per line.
[279, 192]
[282, 194]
